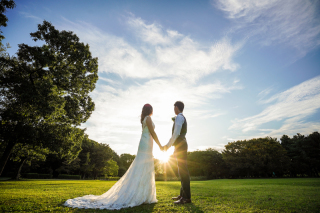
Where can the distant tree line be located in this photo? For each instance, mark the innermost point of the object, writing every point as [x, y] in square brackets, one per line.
[298, 156]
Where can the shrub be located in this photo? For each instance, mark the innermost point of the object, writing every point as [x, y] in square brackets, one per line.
[161, 178]
[45, 176]
[113, 178]
[36, 176]
[65, 176]
[198, 178]
[193, 178]
[31, 175]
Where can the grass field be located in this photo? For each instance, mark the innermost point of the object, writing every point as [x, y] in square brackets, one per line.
[239, 195]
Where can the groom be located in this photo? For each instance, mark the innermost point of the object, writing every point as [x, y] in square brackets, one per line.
[178, 140]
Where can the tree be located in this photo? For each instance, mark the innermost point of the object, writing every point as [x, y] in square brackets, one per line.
[95, 159]
[112, 168]
[4, 5]
[312, 149]
[257, 157]
[27, 154]
[45, 92]
[304, 154]
[126, 160]
[99, 158]
[206, 163]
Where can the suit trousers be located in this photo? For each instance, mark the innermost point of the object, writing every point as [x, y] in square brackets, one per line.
[180, 153]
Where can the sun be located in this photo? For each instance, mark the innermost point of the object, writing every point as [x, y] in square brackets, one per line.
[162, 156]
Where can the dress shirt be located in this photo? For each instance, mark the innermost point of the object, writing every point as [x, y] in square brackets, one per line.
[177, 129]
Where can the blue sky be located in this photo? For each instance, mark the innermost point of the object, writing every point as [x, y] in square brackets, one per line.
[243, 68]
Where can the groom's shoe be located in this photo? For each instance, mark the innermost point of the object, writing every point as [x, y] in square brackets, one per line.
[176, 198]
[182, 201]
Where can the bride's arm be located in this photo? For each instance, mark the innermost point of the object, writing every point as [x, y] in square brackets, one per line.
[152, 132]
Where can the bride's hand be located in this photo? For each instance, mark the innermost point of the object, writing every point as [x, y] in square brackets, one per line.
[161, 148]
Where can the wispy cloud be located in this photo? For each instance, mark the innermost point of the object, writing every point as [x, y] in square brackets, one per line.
[264, 93]
[153, 33]
[292, 22]
[292, 107]
[28, 15]
[159, 53]
[168, 66]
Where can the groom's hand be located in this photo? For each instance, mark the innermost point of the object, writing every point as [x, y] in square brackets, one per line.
[165, 148]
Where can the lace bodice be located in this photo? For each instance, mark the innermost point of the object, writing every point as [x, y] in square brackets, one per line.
[144, 124]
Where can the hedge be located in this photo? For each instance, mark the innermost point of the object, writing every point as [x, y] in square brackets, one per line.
[37, 176]
[113, 178]
[65, 176]
[192, 178]
[45, 176]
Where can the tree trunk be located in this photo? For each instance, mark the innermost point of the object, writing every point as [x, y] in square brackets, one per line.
[20, 167]
[5, 156]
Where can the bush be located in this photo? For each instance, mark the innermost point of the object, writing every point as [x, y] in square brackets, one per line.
[112, 178]
[64, 176]
[36, 176]
[161, 178]
[198, 178]
[31, 175]
[45, 176]
[193, 178]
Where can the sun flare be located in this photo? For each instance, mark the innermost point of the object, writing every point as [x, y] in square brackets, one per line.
[162, 156]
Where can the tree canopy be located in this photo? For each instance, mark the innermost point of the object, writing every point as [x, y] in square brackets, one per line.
[44, 92]
[4, 5]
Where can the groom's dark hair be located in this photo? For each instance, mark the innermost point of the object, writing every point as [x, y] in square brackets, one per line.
[180, 105]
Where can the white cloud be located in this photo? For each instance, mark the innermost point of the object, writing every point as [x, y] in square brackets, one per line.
[159, 53]
[28, 15]
[167, 66]
[265, 92]
[153, 33]
[292, 106]
[117, 113]
[292, 22]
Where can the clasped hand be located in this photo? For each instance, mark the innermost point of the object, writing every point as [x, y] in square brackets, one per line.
[164, 148]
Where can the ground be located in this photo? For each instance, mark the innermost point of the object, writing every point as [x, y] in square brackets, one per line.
[223, 195]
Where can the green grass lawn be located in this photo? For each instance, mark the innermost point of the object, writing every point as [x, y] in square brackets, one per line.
[239, 195]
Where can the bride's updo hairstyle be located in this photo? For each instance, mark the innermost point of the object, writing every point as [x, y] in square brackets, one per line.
[146, 110]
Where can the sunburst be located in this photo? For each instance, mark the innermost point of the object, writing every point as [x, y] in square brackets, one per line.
[162, 156]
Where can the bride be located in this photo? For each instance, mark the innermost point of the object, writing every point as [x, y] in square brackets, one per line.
[137, 185]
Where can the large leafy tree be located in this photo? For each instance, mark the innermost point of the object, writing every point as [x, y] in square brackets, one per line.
[44, 92]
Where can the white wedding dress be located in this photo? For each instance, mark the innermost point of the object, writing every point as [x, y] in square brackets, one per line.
[136, 186]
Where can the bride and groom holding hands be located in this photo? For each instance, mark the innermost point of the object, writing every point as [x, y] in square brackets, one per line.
[137, 185]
